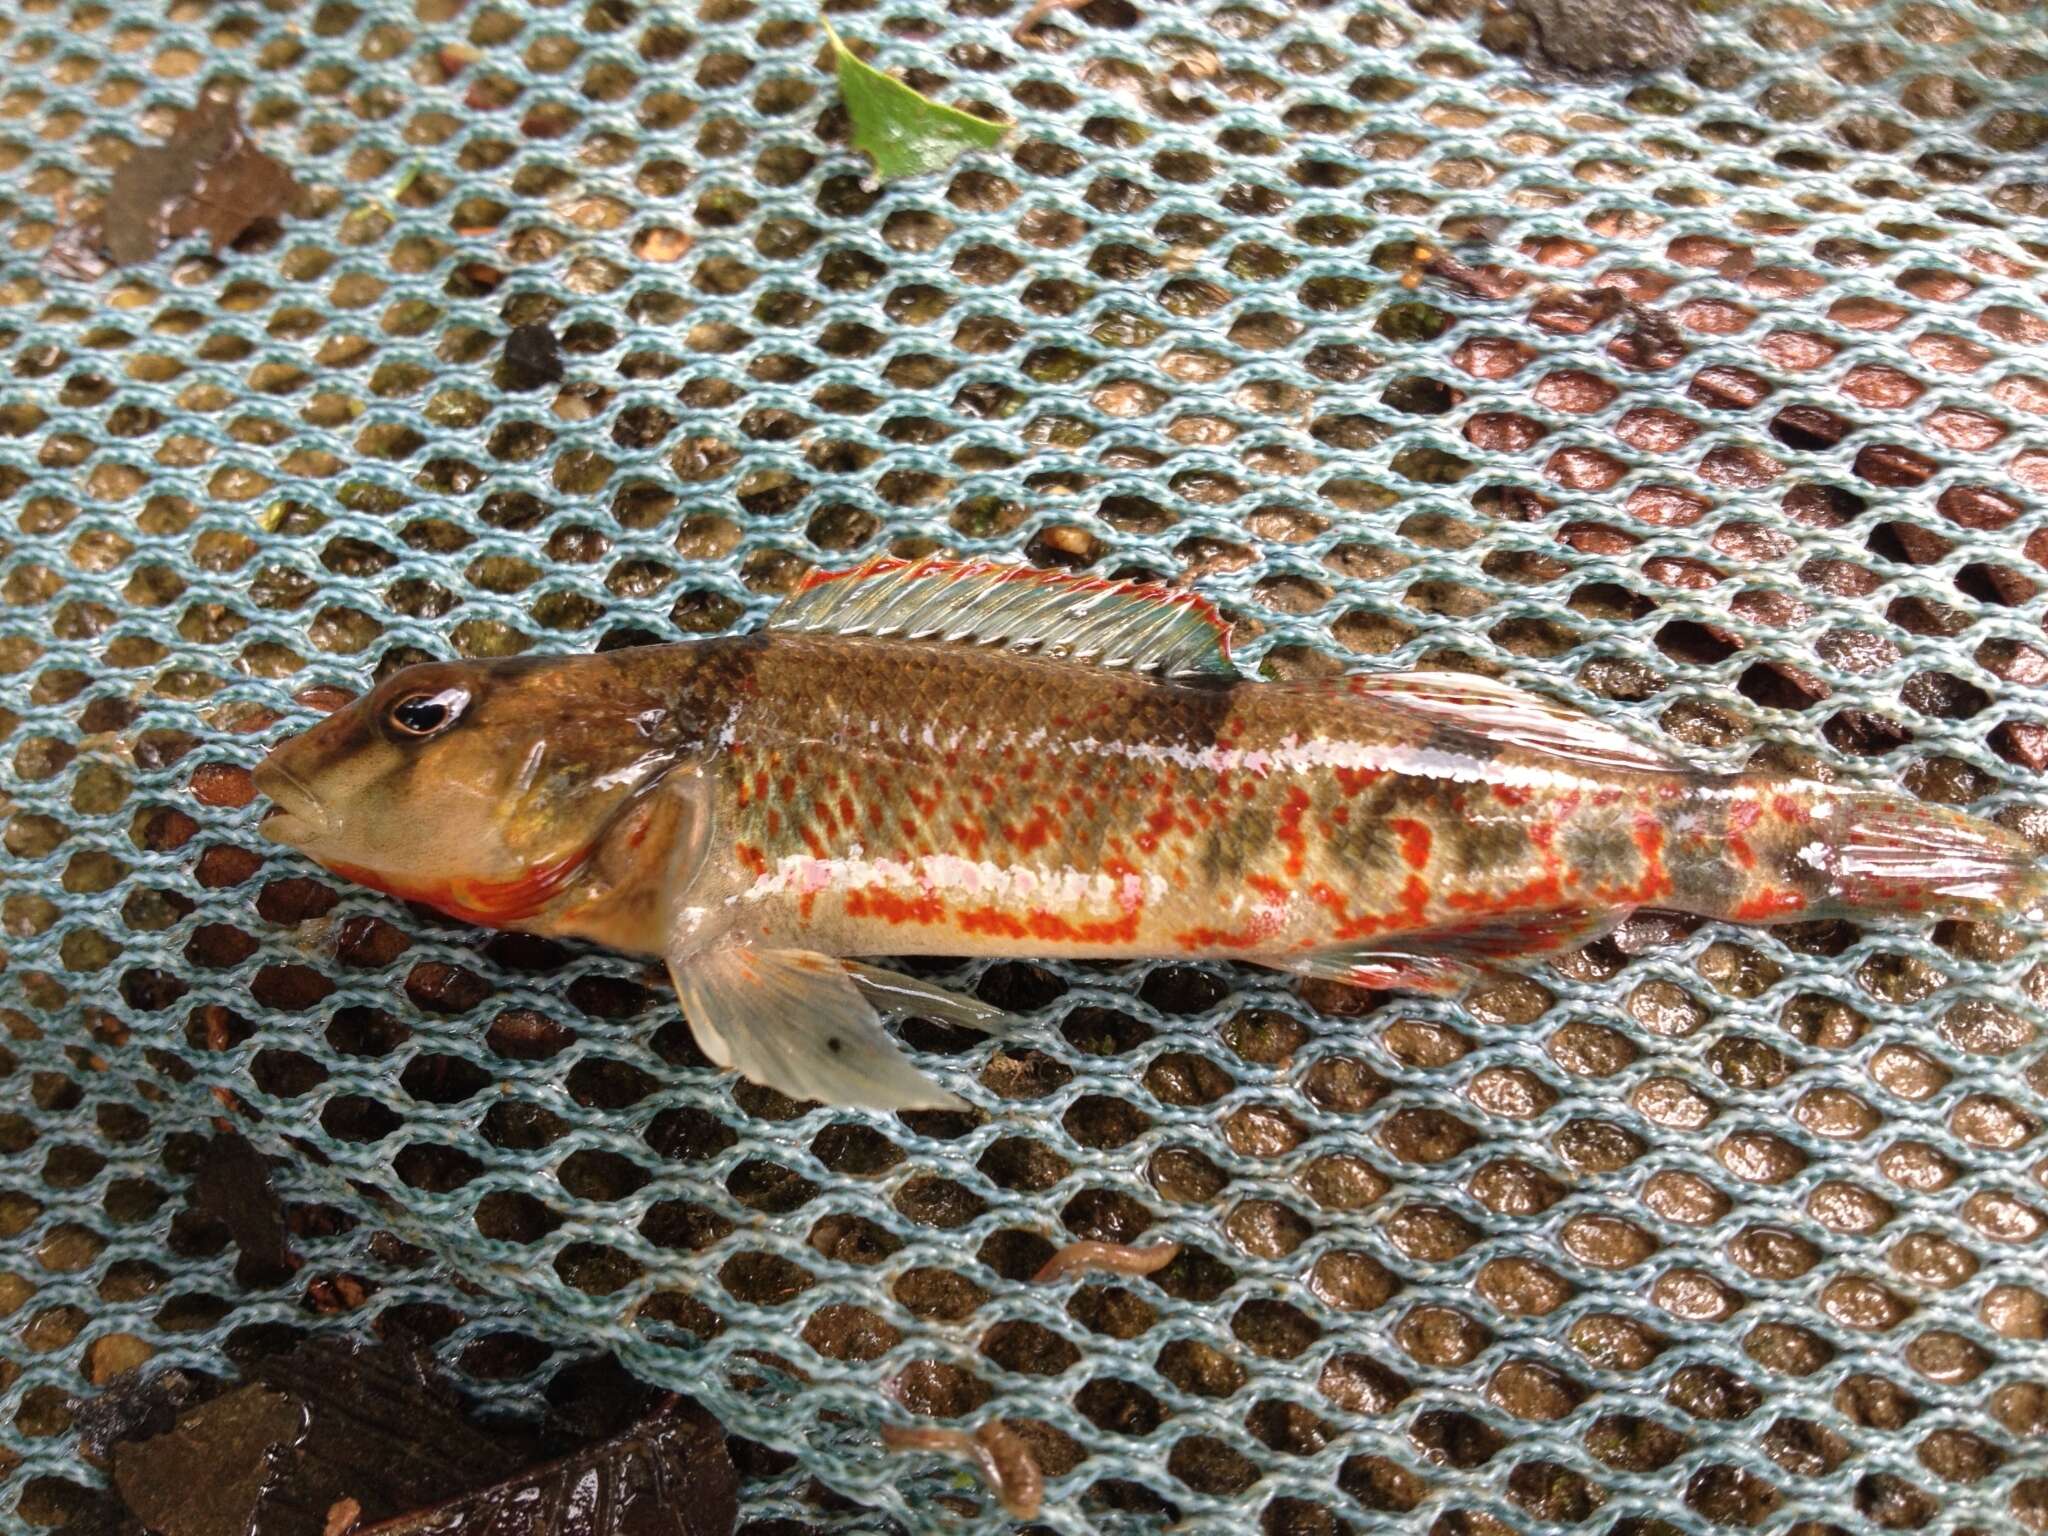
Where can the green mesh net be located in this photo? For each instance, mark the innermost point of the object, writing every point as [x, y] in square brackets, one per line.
[1735, 433]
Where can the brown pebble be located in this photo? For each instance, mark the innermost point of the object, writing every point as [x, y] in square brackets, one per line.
[323, 698]
[1360, 1384]
[1427, 1136]
[1685, 1198]
[1856, 1301]
[1771, 1252]
[112, 1353]
[1352, 1281]
[1847, 1208]
[1507, 1186]
[1758, 1157]
[1614, 1343]
[1430, 1233]
[1437, 1335]
[1672, 1103]
[222, 784]
[1597, 1146]
[1510, 1092]
[2015, 1312]
[1694, 1296]
[1835, 1114]
[1986, 1120]
[1932, 1260]
[1911, 1074]
[1530, 1390]
[1787, 1347]
[1947, 1358]
[1606, 1242]
[1423, 1043]
[1262, 1130]
[1522, 1287]
[2022, 1408]
[2004, 1218]
[1337, 1181]
[1589, 1050]
[1917, 1165]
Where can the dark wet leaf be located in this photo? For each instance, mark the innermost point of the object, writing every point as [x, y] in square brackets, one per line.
[329, 1421]
[209, 178]
[669, 1475]
[233, 1187]
[135, 1406]
[908, 134]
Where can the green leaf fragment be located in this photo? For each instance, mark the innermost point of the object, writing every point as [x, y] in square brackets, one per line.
[908, 134]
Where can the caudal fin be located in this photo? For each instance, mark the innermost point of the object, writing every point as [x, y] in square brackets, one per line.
[1895, 855]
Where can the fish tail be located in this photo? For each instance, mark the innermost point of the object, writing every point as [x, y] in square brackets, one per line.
[1889, 855]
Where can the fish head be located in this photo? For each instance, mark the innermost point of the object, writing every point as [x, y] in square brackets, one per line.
[479, 788]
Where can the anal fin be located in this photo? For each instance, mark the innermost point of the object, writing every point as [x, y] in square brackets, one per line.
[799, 1022]
[1446, 961]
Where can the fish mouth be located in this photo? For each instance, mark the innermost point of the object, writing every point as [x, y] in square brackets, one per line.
[296, 815]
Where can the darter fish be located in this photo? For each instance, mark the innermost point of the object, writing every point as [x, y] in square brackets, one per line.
[942, 758]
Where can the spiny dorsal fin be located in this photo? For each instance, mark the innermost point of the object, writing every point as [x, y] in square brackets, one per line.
[1112, 623]
[1503, 713]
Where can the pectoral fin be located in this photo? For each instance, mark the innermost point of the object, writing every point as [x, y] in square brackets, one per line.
[797, 1022]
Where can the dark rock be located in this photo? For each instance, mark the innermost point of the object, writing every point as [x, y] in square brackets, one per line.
[533, 358]
[1612, 37]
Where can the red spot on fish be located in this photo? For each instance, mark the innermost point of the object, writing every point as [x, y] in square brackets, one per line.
[1649, 837]
[891, 907]
[1743, 814]
[1031, 836]
[1356, 781]
[1055, 929]
[751, 857]
[970, 837]
[990, 922]
[1768, 904]
[1415, 900]
[1789, 809]
[1289, 829]
[1271, 889]
[786, 786]
[1415, 840]
[1207, 940]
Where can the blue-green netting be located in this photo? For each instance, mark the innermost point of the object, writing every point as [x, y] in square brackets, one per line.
[1710, 1229]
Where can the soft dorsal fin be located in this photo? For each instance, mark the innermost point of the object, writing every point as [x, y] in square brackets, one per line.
[1112, 623]
[1502, 713]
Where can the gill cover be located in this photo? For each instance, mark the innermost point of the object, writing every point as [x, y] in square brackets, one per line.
[481, 789]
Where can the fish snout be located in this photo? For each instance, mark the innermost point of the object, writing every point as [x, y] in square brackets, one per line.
[296, 813]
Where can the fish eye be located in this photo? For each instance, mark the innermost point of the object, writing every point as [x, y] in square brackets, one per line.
[420, 715]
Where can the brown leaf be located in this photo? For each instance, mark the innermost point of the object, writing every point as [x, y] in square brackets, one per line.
[232, 1185]
[329, 1421]
[209, 178]
[668, 1475]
